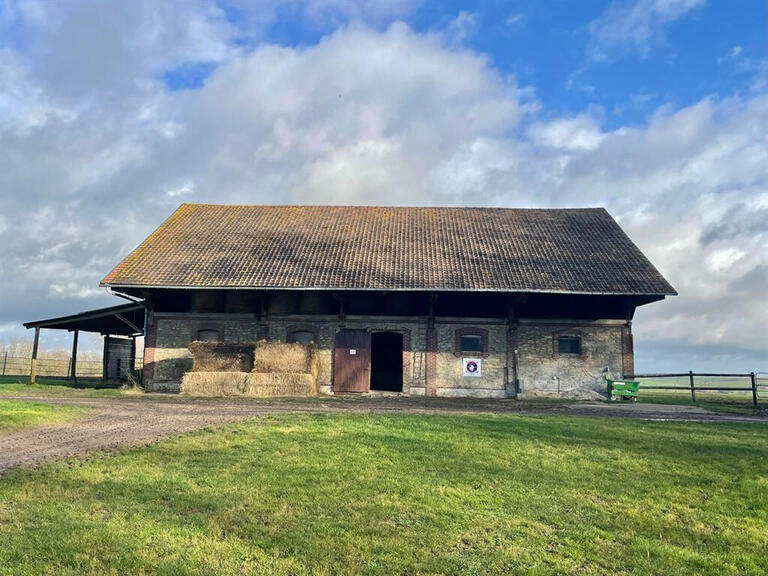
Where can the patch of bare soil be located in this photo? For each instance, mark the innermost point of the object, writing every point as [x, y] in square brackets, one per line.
[136, 420]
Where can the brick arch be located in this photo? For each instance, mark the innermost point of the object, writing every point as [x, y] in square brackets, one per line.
[471, 331]
[575, 332]
[303, 328]
[215, 326]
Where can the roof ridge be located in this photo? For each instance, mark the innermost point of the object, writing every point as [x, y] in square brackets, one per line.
[396, 207]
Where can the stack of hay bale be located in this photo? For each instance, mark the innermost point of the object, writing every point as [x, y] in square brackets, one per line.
[258, 369]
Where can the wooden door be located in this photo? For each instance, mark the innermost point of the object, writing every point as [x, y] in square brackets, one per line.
[352, 362]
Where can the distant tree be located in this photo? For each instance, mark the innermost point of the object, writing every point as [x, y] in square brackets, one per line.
[18, 347]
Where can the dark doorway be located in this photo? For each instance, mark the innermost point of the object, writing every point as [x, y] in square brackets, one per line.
[387, 361]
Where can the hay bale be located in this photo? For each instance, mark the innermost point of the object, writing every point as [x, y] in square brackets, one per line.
[215, 383]
[243, 384]
[281, 357]
[221, 357]
[281, 384]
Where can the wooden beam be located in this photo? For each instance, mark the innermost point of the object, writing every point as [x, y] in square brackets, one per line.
[130, 324]
[263, 331]
[431, 311]
[105, 359]
[73, 363]
[341, 315]
[33, 364]
[132, 365]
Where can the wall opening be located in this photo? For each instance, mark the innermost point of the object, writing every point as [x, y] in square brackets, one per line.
[208, 335]
[301, 337]
[387, 361]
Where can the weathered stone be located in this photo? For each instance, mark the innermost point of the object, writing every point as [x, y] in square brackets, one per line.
[540, 369]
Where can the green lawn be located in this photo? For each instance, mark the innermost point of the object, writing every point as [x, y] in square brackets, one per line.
[403, 494]
[739, 402]
[15, 415]
[16, 385]
[735, 403]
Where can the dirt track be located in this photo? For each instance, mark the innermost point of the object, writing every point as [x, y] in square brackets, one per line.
[139, 420]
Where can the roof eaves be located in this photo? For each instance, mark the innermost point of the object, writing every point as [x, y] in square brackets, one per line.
[380, 289]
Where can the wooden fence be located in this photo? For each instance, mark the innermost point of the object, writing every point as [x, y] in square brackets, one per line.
[750, 383]
[55, 367]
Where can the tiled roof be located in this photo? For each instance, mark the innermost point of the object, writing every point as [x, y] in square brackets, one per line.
[356, 247]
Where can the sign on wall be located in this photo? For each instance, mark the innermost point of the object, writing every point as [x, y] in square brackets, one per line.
[471, 366]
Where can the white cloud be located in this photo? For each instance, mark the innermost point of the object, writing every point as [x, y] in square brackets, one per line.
[463, 26]
[579, 133]
[344, 121]
[335, 12]
[732, 55]
[634, 25]
[184, 190]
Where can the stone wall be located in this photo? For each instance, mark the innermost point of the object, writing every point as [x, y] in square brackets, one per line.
[167, 355]
[169, 358]
[542, 370]
[450, 381]
[325, 328]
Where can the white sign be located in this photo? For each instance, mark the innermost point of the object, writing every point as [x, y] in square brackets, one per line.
[472, 366]
[352, 351]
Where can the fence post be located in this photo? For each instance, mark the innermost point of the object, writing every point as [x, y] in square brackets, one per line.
[693, 388]
[33, 362]
[754, 388]
[5, 361]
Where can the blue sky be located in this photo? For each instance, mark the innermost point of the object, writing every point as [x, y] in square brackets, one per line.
[712, 49]
[114, 113]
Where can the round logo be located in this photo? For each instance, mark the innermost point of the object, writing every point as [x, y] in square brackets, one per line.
[471, 366]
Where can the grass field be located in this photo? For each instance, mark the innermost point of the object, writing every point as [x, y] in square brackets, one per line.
[403, 494]
[15, 415]
[718, 402]
[16, 385]
[739, 402]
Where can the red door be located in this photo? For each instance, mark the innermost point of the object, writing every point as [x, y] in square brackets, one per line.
[352, 362]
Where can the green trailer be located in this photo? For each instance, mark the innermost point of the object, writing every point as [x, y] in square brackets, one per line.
[624, 389]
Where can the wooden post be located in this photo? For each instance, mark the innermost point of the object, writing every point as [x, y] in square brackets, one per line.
[132, 359]
[5, 361]
[73, 362]
[105, 359]
[33, 364]
[430, 365]
[263, 332]
[754, 388]
[693, 388]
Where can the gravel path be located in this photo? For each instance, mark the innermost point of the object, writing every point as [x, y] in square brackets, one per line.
[142, 419]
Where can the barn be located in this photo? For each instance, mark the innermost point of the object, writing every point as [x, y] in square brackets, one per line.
[449, 302]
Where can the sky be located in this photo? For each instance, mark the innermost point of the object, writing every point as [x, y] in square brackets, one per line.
[114, 113]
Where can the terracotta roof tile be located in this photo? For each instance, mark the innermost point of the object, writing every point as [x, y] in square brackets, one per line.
[346, 247]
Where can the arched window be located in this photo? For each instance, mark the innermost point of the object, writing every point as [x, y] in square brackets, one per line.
[568, 343]
[471, 342]
[301, 337]
[208, 335]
